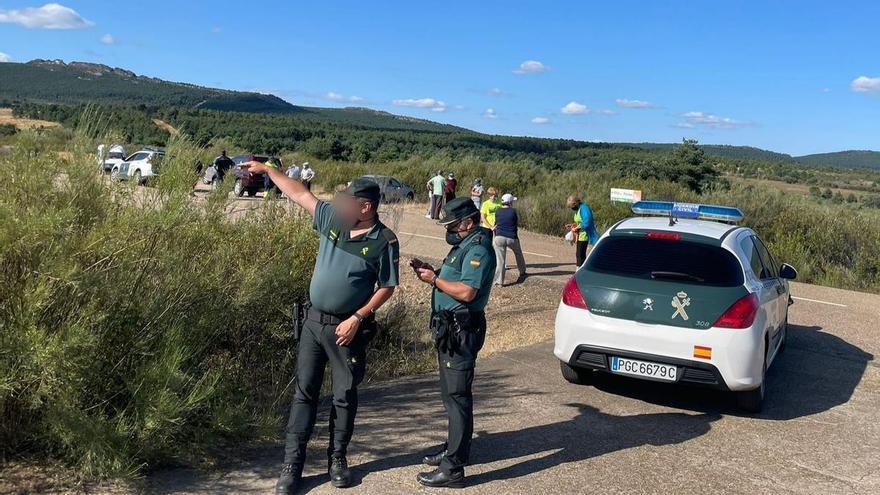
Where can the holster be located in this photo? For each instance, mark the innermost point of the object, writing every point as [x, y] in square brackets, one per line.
[298, 314]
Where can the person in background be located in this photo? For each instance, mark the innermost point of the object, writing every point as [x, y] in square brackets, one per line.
[221, 165]
[583, 228]
[436, 184]
[294, 172]
[307, 176]
[477, 192]
[450, 187]
[506, 236]
[488, 209]
[268, 185]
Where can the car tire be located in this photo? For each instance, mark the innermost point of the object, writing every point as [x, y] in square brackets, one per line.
[410, 197]
[138, 179]
[578, 376]
[114, 175]
[784, 337]
[238, 188]
[752, 401]
[382, 198]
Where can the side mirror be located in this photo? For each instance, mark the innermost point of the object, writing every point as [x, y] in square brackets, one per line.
[787, 271]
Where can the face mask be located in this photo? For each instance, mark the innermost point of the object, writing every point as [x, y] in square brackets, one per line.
[574, 208]
[452, 238]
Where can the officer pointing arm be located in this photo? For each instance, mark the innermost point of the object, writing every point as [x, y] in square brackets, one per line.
[356, 271]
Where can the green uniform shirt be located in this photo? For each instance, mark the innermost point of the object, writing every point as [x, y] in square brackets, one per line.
[475, 268]
[348, 270]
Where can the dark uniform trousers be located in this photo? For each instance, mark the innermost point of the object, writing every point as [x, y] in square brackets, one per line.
[456, 383]
[317, 346]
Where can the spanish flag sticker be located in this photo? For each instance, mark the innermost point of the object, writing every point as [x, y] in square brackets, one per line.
[702, 352]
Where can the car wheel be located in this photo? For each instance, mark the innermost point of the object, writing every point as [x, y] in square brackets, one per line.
[238, 189]
[784, 338]
[753, 400]
[137, 178]
[251, 193]
[382, 198]
[410, 197]
[578, 376]
[114, 174]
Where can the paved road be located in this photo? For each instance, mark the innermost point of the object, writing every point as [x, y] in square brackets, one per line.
[819, 433]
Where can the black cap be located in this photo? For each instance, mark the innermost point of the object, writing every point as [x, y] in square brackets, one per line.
[363, 188]
[458, 209]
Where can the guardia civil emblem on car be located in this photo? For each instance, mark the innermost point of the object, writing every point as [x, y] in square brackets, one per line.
[723, 302]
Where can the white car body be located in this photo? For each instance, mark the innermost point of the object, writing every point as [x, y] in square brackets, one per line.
[587, 340]
[140, 166]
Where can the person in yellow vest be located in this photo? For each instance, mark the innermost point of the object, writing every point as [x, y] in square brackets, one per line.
[488, 209]
[584, 227]
[268, 185]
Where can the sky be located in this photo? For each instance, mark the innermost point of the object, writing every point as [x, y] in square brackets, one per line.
[796, 77]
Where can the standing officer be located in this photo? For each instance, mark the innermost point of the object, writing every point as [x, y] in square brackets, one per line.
[458, 325]
[356, 271]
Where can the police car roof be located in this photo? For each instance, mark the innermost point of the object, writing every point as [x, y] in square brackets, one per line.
[707, 228]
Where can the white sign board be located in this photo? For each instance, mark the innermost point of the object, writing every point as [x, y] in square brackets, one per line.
[625, 195]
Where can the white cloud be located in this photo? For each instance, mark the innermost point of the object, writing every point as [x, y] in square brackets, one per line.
[5, 58]
[333, 96]
[626, 103]
[865, 84]
[49, 16]
[108, 39]
[496, 92]
[683, 125]
[531, 67]
[713, 121]
[430, 103]
[575, 108]
[489, 113]
[540, 120]
[825, 90]
[607, 112]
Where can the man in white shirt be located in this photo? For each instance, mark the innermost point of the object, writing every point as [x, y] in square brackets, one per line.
[307, 175]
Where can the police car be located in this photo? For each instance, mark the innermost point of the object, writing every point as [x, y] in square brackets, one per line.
[680, 294]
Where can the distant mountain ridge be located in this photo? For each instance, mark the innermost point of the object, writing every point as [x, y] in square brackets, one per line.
[840, 159]
[54, 81]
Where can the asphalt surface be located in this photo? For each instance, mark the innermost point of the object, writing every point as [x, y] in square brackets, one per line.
[535, 433]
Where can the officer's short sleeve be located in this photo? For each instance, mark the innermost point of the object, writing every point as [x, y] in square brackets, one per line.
[474, 266]
[324, 213]
[389, 264]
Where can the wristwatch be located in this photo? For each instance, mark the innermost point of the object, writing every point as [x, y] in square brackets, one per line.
[434, 281]
[359, 317]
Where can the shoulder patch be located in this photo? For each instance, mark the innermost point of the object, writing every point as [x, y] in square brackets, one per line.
[475, 262]
[389, 235]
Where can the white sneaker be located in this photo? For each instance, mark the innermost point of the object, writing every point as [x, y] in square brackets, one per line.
[428, 216]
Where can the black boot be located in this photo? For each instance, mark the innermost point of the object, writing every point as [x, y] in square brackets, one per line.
[434, 459]
[440, 479]
[340, 474]
[288, 482]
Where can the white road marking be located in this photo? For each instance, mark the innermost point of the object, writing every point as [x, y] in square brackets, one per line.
[442, 239]
[818, 301]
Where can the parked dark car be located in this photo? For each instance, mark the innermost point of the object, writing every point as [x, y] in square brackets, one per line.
[245, 181]
[391, 189]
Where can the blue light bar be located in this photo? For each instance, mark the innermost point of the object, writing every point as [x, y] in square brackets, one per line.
[688, 210]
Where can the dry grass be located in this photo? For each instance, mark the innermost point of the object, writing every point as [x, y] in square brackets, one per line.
[6, 117]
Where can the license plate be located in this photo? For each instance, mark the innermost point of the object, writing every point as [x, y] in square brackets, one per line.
[643, 369]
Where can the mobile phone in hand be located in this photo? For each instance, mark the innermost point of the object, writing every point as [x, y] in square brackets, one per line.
[416, 263]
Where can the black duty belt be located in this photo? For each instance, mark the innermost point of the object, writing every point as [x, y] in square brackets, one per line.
[325, 318]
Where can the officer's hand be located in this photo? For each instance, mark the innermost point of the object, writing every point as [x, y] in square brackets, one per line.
[346, 330]
[426, 274]
[255, 167]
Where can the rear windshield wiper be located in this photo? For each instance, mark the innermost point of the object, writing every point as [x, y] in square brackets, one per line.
[676, 276]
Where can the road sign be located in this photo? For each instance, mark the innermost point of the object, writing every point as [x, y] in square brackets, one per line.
[626, 195]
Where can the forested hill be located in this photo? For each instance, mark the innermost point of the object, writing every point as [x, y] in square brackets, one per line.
[839, 159]
[53, 81]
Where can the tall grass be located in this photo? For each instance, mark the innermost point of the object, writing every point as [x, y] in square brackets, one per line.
[138, 327]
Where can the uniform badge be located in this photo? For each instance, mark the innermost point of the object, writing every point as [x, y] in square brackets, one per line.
[364, 251]
[475, 263]
[679, 302]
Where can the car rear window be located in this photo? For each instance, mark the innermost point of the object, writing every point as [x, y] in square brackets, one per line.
[691, 262]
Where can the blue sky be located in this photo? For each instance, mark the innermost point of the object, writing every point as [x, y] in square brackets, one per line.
[792, 76]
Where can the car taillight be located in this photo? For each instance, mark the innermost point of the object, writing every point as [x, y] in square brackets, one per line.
[664, 236]
[571, 295]
[740, 314]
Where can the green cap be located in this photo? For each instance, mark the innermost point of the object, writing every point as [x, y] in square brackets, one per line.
[458, 209]
[363, 188]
